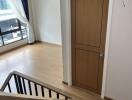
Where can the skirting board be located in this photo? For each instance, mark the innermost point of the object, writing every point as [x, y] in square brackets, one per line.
[107, 98]
[48, 43]
[65, 83]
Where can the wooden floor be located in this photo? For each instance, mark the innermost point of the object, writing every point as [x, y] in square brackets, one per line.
[41, 61]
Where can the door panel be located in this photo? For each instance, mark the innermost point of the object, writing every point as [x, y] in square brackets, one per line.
[89, 21]
[84, 71]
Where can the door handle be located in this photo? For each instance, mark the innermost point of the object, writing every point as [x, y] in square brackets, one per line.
[101, 54]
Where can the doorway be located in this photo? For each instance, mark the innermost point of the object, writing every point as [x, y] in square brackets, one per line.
[89, 24]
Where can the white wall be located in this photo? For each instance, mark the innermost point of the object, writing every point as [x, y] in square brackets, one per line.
[47, 20]
[119, 73]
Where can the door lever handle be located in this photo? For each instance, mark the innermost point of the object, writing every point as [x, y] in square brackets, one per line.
[101, 55]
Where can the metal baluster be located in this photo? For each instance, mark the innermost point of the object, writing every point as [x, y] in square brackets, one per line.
[17, 86]
[36, 89]
[57, 95]
[66, 98]
[42, 89]
[50, 95]
[30, 89]
[20, 84]
[24, 86]
[9, 87]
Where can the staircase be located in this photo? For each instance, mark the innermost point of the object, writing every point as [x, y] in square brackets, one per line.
[18, 86]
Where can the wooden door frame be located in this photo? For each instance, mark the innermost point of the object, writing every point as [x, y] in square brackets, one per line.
[68, 51]
[105, 4]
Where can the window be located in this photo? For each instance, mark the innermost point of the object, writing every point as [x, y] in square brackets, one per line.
[11, 29]
[4, 5]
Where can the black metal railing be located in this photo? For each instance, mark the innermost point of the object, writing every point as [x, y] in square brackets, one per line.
[8, 30]
[25, 85]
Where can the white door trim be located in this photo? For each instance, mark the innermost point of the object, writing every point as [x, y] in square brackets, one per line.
[70, 64]
[109, 23]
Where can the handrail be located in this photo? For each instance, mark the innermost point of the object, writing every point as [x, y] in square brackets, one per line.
[7, 81]
[21, 87]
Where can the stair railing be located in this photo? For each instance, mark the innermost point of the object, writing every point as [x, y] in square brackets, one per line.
[21, 86]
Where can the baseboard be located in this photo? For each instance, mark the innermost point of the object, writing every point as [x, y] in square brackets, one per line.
[37, 41]
[107, 98]
[65, 83]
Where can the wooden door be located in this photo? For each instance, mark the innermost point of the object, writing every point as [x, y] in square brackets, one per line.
[89, 21]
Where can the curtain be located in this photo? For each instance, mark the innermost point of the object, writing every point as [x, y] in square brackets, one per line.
[18, 9]
[25, 5]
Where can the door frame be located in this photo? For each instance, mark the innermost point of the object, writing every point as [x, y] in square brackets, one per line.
[66, 29]
[107, 45]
